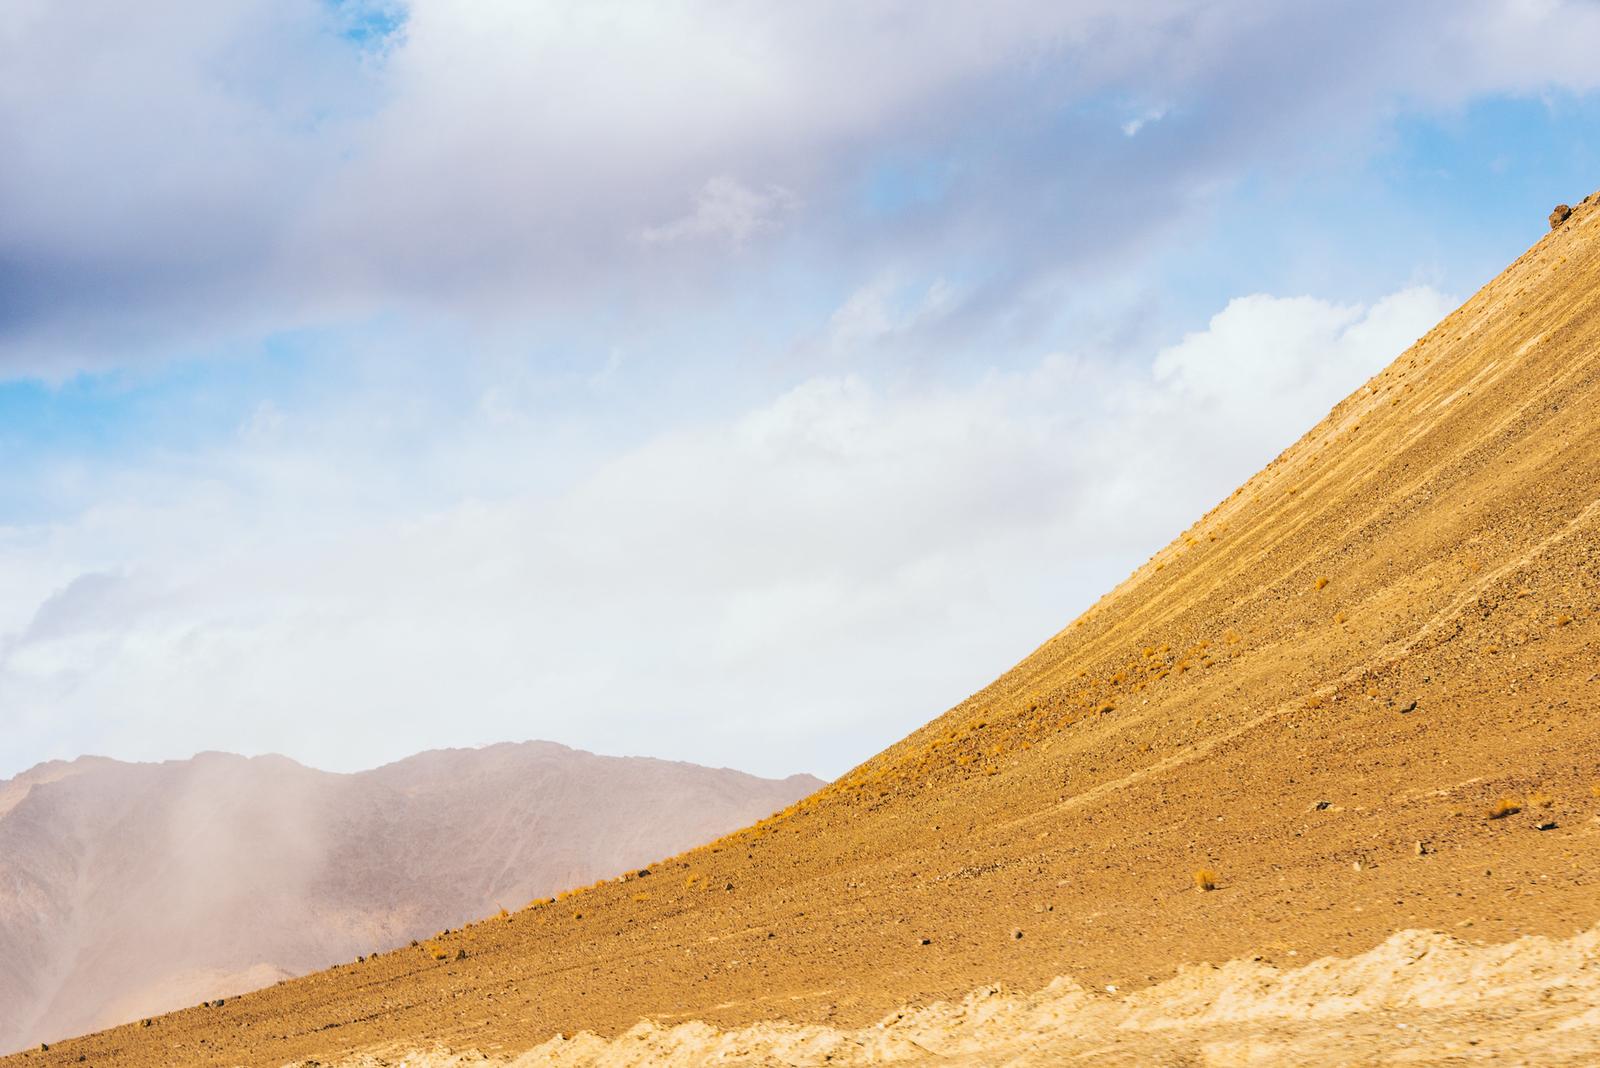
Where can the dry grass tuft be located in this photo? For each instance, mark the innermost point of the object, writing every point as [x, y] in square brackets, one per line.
[1322, 582]
[1505, 806]
[1540, 799]
[1205, 880]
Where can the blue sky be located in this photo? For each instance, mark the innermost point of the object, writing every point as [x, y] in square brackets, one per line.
[737, 385]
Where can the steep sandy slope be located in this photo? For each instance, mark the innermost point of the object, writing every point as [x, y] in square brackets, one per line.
[1322, 692]
[127, 889]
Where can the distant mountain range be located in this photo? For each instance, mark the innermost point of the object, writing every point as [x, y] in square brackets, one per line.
[130, 889]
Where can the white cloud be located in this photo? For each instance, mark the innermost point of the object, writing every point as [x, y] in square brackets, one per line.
[1132, 126]
[726, 211]
[787, 589]
[887, 309]
[175, 176]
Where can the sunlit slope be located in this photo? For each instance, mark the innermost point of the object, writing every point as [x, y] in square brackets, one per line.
[1319, 693]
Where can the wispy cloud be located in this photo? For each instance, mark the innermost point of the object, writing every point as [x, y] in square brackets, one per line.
[726, 211]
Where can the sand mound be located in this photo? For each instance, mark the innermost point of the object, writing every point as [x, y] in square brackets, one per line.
[1420, 998]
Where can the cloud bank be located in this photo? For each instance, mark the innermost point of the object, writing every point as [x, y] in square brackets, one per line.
[179, 178]
[786, 588]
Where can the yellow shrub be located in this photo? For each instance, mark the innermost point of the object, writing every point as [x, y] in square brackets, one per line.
[1505, 806]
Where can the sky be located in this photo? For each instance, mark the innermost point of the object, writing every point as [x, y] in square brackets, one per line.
[736, 383]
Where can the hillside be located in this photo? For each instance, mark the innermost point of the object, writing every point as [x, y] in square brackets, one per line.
[1325, 692]
[130, 889]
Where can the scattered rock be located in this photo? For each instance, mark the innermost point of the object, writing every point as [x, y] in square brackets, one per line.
[1017, 933]
[461, 954]
[144, 1023]
[1412, 707]
[1422, 849]
[1320, 806]
[927, 941]
[1560, 215]
[1545, 825]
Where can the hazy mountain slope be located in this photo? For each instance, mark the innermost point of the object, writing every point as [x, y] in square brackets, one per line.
[1332, 750]
[127, 889]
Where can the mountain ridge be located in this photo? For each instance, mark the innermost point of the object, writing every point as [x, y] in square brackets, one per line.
[132, 888]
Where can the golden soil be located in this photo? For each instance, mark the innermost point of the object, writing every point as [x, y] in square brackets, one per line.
[1331, 750]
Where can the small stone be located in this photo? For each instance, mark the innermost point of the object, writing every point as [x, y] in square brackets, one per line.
[1560, 215]
[1409, 708]
[1321, 806]
[144, 1023]
[1355, 866]
[1017, 933]
[1546, 825]
[1422, 849]
[461, 954]
[927, 941]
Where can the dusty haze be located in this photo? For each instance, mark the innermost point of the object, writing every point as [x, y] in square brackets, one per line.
[130, 889]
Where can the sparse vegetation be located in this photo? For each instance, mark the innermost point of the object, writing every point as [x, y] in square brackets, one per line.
[1322, 582]
[1205, 880]
[1540, 799]
[1503, 807]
